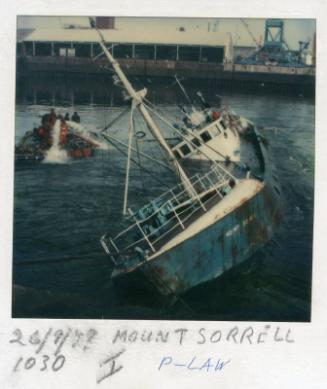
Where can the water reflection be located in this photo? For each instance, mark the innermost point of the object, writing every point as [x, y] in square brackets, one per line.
[99, 89]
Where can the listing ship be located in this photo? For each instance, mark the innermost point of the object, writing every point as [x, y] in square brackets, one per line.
[225, 207]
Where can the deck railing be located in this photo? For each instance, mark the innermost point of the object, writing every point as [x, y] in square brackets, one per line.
[162, 218]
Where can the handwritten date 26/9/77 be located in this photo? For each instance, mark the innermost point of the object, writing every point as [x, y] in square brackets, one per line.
[51, 343]
[55, 339]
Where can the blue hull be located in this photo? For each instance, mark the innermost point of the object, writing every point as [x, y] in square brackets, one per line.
[214, 250]
[219, 247]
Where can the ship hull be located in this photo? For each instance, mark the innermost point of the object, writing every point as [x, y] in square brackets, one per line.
[213, 251]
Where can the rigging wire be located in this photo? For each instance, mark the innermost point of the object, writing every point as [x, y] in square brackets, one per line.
[138, 156]
[198, 148]
[130, 139]
[155, 159]
[115, 120]
[134, 161]
[156, 110]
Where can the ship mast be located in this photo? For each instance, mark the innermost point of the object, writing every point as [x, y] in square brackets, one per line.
[155, 130]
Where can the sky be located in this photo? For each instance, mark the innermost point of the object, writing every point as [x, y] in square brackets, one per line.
[294, 29]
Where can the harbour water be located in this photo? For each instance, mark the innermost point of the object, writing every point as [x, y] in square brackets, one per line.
[62, 210]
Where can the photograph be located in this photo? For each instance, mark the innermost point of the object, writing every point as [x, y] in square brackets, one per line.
[164, 168]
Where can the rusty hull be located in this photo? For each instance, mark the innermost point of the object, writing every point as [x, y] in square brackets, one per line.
[222, 245]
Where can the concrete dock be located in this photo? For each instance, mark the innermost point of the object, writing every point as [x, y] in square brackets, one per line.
[302, 79]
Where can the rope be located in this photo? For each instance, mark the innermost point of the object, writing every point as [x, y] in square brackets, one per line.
[115, 120]
[136, 163]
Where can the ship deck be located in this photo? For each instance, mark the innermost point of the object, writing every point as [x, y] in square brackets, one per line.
[166, 218]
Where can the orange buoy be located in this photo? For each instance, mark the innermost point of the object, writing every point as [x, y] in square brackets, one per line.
[76, 153]
[87, 152]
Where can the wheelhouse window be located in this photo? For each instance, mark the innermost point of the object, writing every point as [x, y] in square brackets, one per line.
[196, 142]
[223, 124]
[185, 149]
[215, 131]
[177, 155]
[205, 136]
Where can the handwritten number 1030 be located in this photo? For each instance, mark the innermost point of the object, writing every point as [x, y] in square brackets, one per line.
[29, 363]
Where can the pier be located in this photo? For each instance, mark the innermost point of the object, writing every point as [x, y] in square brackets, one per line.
[197, 54]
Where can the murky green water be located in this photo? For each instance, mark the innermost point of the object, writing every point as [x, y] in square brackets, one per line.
[61, 211]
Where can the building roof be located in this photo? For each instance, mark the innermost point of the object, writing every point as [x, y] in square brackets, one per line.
[198, 31]
[125, 36]
[23, 33]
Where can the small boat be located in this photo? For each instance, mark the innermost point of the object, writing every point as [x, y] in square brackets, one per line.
[214, 219]
[54, 130]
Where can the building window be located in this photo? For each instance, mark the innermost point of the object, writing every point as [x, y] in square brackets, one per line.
[144, 51]
[42, 48]
[19, 48]
[70, 52]
[212, 54]
[28, 48]
[62, 45]
[189, 53]
[82, 50]
[97, 49]
[123, 51]
[205, 136]
[185, 149]
[166, 52]
[66, 52]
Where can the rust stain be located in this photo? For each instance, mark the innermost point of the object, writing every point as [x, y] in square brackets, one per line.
[262, 234]
[277, 218]
[165, 282]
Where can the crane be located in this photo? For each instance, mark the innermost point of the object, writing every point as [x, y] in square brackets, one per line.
[258, 45]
